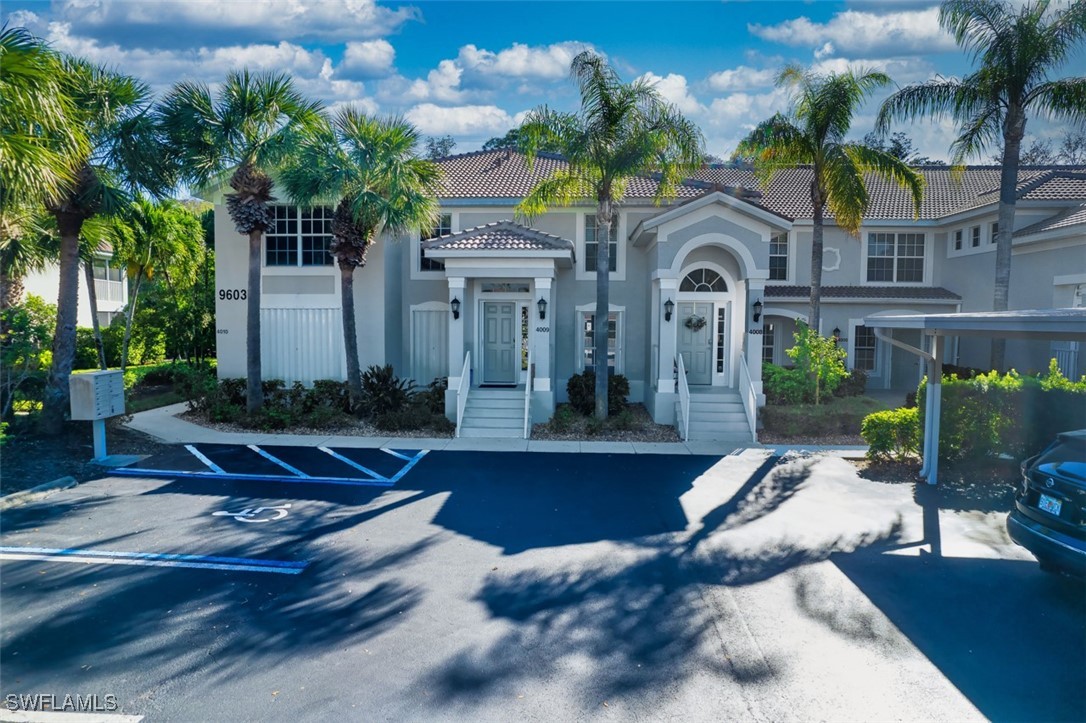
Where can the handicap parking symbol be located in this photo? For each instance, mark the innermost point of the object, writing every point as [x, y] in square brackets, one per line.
[257, 514]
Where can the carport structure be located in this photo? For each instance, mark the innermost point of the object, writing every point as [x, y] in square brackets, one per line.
[1034, 324]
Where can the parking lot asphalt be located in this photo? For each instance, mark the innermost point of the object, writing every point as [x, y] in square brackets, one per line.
[499, 586]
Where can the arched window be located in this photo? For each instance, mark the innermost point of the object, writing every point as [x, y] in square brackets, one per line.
[705, 281]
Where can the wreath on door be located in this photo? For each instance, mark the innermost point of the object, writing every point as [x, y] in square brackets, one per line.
[695, 322]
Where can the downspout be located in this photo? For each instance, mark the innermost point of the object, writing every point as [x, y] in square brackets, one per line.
[932, 399]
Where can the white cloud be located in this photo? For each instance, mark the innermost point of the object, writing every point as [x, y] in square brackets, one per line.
[522, 61]
[825, 51]
[674, 90]
[442, 83]
[328, 19]
[312, 72]
[369, 58]
[852, 31]
[464, 120]
[742, 78]
[902, 70]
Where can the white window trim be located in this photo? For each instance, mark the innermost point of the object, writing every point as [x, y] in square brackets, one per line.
[620, 335]
[790, 266]
[928, 257]
[877, 371]
[292, 268]
[619, 274]
[416, 251]
[987, 239]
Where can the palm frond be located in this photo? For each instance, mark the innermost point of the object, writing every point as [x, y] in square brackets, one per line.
[1064, 99]
[563, 188]
[890, 167]
[845, 195]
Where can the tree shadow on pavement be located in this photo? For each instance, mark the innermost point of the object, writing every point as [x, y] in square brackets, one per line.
[640, 617]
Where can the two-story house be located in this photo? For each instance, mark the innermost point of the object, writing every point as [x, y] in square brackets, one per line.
[711, 282]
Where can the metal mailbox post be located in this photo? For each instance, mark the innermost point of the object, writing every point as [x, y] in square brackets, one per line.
[96, 396]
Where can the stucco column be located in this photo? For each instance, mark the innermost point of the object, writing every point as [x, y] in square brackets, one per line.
[542, 335]
[667, 289]
[457, 290]
[752, 344]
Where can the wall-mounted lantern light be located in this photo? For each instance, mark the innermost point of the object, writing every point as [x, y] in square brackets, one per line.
[758, 310]
[542, 306]
[669, 307]
[455, 306]
[836, 334]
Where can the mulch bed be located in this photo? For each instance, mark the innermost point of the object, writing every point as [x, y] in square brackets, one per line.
[644, 430]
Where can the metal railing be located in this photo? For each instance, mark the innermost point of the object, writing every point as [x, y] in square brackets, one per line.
[749, 397]
[462, 392]
[684, 399]
[107, 290]
[528, 397]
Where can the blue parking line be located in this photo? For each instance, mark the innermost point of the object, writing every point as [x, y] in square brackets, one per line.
[152, 559]
[203, 458]
[181, 474]
[356, 465]
[412, 461]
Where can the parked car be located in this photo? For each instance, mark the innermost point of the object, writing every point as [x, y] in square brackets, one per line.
[1049, 518]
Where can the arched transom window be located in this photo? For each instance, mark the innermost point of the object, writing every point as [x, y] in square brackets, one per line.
[705, 281]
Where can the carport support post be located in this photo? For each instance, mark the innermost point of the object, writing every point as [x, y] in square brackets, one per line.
[933, 407]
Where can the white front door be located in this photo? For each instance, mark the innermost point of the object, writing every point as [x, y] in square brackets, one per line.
[696, 340]
[500, 342]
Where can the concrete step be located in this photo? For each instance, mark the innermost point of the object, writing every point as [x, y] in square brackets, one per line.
[495, 422]
[734, 426]
[499, 403]
[727, 441]
[489, 433]
[726, 407]
[496, 394]
[714, 417]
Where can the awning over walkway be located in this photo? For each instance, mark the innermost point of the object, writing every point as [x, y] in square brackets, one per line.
[1039, 324]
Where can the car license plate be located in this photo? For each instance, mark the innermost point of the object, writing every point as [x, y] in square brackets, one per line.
[1050, 505]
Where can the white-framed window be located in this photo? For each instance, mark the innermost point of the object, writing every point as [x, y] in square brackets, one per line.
[299, 236]
[895, 257]
[590, 243]
[974, 237]
[959, 239]
[106, 271]
[443, 228]
[993, 230]
[778, 257]
[704, 280]
[865, 347]
[586, 323]
[768, 342]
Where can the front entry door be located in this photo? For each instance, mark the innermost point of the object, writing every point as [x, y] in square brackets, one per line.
[500, 342]
[696, 341]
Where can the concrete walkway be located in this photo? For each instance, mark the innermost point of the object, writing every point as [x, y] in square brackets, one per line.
[164, 424]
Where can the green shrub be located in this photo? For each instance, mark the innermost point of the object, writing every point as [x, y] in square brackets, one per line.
[331, 394]
[384, 392]
[581, 389]
[413, 417]
[324, 417]
[841, 416]
[624, 420]
[433, 396]
[992, 414]
[854, 385]
[893, 434]
[785, 385]
[563, 418]
[26, 335]
[86, 351]
[593, 426]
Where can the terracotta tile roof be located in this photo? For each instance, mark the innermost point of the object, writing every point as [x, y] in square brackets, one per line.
[919, 293]
[1070, 217]
[500, 236]
[504, 174]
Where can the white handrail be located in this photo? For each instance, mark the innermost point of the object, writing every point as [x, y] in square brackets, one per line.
[684, 400]
[462, 392]
[750, 399]
[528, 397]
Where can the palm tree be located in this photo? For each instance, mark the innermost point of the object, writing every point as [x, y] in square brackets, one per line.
[369, 169]
[1017, 48]
[243, 128]
[157, 235]
[123, 155]
[21, 251]
[814, 134]
[620, 131]
[41, 139]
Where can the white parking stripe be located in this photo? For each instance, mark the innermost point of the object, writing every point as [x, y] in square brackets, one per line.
[152, 559]
[354, 464]
[281, 463]
[394, 453]
[407, 467]
[199, 455]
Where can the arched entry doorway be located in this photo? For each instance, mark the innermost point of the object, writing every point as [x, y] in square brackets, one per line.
[704, 324]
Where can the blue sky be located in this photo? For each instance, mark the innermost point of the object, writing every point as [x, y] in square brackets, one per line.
[471, 69]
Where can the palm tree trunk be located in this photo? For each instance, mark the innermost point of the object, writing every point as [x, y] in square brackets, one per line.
[814, 315]
[603, 300]
[55, 401]
[1013, 131]
[254, 392]
[11, 289]
[350, 334]
[92, 296]
[129, 317]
